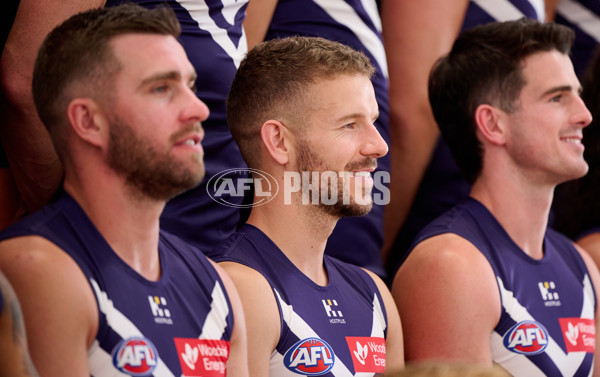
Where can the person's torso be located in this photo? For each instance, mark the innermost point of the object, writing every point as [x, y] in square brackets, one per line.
[547, 325]
[180, 324]
[334, 330]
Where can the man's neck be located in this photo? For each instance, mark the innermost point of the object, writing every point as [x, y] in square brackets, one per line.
[300, 233]
[521, 208]
[129, 225]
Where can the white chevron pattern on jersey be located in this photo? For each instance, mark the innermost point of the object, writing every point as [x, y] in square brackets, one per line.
[502, 10]
[216, 321]
[199, 11]
[579, 15]
[302, 330]
[520, 364]
[343, 13]
[100, 361]
[373, 12]
[122, 326]
[379, 324]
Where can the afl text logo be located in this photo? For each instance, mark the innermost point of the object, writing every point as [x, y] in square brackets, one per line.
[135, 356]
[229, 187]
[310, 357]
[527, 338]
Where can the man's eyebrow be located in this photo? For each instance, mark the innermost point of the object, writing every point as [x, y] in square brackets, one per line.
[170, 75]
[561, 88]
[356, 115]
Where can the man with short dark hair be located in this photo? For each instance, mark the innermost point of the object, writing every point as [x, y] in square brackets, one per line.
[488, 282]
[103, 290]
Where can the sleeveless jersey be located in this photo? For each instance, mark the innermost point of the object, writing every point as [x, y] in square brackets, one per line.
[547, 325]
[356, 23]
[583, 16]
[443, 185]
[215, 43]
[179, 325]
[335, 330]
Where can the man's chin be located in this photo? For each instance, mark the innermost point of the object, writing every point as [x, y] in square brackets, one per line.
[348, 210]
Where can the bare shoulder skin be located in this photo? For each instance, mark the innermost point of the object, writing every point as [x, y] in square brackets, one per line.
[262, 315]
[448, 300]
[58, 304]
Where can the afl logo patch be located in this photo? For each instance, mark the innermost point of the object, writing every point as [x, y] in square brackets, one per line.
[527, 338]
[135, 356]
[310, 357]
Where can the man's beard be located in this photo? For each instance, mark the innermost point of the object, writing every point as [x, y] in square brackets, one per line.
[153, 174]
[308, 161]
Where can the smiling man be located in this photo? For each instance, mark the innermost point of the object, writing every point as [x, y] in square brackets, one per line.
[488, 282]
[104, 291]
[305, 107]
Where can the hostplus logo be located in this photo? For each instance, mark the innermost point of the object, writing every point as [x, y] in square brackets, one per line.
[327, 188]
[335, 316]
[161, 314]
[549, 293]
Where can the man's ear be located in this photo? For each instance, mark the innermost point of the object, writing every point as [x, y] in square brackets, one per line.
[88, 121]
[491, 124]
[277, 140]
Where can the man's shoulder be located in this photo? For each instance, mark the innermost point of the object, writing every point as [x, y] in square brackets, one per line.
[445, 248]
[36, 259]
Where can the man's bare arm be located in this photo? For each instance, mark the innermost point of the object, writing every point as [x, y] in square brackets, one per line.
[58, 305]
[448, 299]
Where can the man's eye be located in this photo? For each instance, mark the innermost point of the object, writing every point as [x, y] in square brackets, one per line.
[556, 98]
[160, 89]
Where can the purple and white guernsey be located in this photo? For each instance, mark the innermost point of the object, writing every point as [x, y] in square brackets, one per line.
[481, 12]
[356, 23]
[215, 43]
[178, 325]
[335, 330]
[547, 324]
[583, 16]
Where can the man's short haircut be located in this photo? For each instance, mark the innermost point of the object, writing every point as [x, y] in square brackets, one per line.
[76, 59]
[485, 66]
[274, 82]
